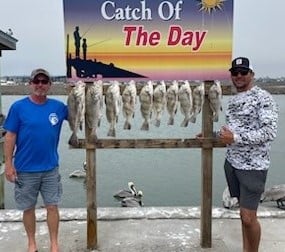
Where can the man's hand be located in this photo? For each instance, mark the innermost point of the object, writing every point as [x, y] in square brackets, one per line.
[226, 136]
[10, 173]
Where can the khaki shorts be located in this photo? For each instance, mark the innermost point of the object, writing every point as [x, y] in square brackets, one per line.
[246, 185]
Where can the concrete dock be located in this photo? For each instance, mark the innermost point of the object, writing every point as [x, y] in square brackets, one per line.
[147, 229]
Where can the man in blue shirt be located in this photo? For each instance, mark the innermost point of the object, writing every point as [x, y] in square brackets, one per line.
[33, 126]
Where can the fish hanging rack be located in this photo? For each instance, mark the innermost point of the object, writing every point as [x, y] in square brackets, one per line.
[206, 144]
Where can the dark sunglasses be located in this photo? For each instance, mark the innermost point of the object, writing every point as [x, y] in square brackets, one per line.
[243, 72]
[38, 81]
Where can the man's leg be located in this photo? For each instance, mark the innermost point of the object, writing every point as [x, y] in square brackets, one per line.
[251, 230]
[53, 225]
[51, 191]
[29, 220]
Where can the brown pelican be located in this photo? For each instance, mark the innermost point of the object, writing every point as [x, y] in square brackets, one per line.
[131, 192]
[134, 201]
[275, 193]
[228, 201]
[79, 173]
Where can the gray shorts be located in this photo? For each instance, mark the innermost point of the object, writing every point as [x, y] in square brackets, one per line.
[30, 184]
[246, 185]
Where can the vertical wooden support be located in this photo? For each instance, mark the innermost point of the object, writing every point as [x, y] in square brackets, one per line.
[91, 191]
[68, 66]
[206, 172]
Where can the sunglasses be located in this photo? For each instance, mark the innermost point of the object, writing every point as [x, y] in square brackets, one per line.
[38, 81]
[243, 72]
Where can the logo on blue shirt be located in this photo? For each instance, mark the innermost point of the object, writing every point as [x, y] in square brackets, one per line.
[53, 118]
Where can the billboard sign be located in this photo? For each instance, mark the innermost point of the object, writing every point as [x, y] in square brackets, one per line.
[148, 39]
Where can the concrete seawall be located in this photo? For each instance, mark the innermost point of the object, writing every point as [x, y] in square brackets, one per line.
[147, 229]
[116, 213]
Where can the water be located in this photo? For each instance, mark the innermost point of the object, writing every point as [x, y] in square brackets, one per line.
[167, 177]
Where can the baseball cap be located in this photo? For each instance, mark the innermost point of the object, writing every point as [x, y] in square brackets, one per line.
[241, 62]
[39, 71]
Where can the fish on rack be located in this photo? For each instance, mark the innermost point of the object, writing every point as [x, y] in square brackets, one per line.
[186, 103]
[172, 101]
[146, 101]
[198, 101]
[76, 111]
[159, 101]
[113, 103]
[215, 98]
[94, 108]
[129, 97]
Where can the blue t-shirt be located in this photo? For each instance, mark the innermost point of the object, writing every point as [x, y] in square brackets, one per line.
[38, 130]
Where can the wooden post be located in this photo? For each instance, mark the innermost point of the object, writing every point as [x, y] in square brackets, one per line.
[91, 191]
[68, 58]
[206, 172]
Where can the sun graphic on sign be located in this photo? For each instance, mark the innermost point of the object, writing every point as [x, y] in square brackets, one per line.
[210, 5]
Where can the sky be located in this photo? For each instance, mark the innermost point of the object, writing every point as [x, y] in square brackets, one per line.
[258, 34]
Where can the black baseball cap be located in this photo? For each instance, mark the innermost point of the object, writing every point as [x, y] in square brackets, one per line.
[241, 62]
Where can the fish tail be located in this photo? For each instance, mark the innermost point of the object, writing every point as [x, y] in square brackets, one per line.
[215, 117]
[73, 140]
[127, 125]
[185, 122]
[157, 123]
[193, 119]
[81, 125]
[145, 126]
[111, 132]
[170, 121]
[92, 137]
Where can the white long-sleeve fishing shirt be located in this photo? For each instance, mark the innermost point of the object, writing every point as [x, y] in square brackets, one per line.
[252, 116]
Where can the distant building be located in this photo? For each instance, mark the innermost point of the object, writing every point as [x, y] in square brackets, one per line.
[7, 42]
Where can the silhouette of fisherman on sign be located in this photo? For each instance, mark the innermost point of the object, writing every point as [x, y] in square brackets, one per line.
[77, 39]
[84, 48]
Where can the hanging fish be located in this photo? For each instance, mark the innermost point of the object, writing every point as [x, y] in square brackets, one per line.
[215, 98]
[172, 101]
[113, 103]
[129, 97]
[198, 101]
[185, 99]
[76, 111]
[94, 108]
[146, 101]
[159, 100]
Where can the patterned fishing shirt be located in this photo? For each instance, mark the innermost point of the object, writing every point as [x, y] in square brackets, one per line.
[252, 116]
